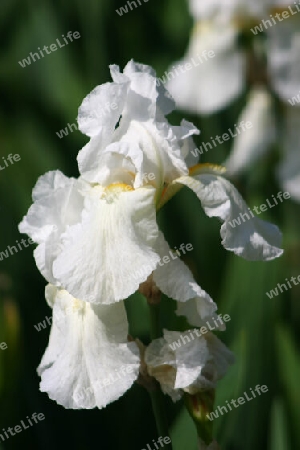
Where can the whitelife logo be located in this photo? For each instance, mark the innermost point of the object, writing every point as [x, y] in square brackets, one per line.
[53, 47]
[205, 146]
[18, 428]
[124, 372]
[241, 401]
[165, 259]
[274, 292]
[3, 346]
[106, 109]
[295, 99]
[11, 250]
[183, 68]
[125, 10]
[161, 441]
[279, 17]
[190, 335]
[244, 217]
[9, 160]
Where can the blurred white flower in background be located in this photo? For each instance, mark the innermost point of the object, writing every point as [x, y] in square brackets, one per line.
[283, 56]
[217, 82]
[249, 148]
[227, 10]
[214, 84]
[289, 169]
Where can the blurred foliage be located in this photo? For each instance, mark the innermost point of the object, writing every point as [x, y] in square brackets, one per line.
[41, 99]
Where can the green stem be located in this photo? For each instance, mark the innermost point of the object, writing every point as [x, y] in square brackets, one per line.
[158, 406]
[155, 329]
[157, 397]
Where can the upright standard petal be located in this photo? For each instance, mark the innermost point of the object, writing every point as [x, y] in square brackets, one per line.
[143, 142]
[160, 145]
[88, 362]
[146, 98]
[241, 231]
[101, 256]
[102, 108]
[184, 134]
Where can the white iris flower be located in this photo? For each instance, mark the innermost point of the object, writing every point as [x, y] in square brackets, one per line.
[98, 238]
[97, 232]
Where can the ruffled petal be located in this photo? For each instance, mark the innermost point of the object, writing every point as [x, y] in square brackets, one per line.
[241, 233]
[160, 362]
[48, 183]
[58, 202]
[88, 362]
[116, 163]
[102, 108]
[187, 361]
[146, 98]
[184, 134]
[200, 311]
[144, 143]
[175, 370]
[102, 257]
[160, 148]
[141, 153]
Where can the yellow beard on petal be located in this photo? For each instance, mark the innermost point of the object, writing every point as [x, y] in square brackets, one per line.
[206, 167]
[111, 192]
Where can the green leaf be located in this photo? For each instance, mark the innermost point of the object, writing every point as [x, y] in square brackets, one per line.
[289, 370]
[183, 432]
[279, 433]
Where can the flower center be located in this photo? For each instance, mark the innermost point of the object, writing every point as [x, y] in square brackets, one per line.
[111, 193]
